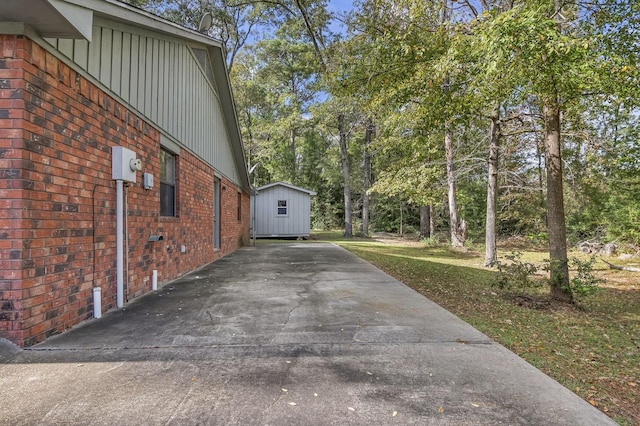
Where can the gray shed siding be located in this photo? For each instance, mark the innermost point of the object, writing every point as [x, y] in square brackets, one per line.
[297, 221]
[162, 78]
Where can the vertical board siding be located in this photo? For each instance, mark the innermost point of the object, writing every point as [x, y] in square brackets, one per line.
[66, 47]
[125, 73]
[174, 84]
[163, 80]
[147, 78]
[154, 74]
[166, 84]
[93, 67]
[142, 54]
[81, 53]
[116, 62]
[183, 97]
[135, 69]
[106, 55]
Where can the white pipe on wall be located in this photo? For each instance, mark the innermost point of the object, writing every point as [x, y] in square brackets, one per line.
[119, 244]
[97, 302]
[154, 280]
[126, 240]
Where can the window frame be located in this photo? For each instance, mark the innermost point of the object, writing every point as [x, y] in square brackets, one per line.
[168, 183]
[280, 206]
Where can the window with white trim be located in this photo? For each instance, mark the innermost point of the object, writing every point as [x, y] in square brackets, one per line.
[167, 184]
[283, 209]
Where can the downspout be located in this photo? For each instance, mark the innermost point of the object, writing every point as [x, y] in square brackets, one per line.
[255, 199]
[253, 227]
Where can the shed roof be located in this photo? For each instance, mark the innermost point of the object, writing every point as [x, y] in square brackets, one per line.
[287, 185]
[74, 19]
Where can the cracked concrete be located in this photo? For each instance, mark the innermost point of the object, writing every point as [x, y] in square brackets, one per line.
[281, 334]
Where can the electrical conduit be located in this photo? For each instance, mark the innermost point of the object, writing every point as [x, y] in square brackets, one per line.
[119, 244]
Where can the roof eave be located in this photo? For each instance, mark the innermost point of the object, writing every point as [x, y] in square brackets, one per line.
[286, 185]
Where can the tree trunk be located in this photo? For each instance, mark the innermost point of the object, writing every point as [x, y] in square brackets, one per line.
[432, 221]
[425, 222]
[366, 163]
[539, 150]
[457, 240]
[556, 228]
[491, 256]
[348, 230]
[294, 157]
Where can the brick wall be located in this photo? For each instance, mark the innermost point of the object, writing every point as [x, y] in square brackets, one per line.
[57, 199]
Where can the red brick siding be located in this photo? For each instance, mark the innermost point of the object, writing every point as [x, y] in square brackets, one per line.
[57, 199]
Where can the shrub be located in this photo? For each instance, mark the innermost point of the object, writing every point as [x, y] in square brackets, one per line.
[516, 273]
[433, 241]
[584, 283]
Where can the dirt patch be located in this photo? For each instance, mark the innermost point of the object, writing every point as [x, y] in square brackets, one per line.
[412, 240]
[539, 302]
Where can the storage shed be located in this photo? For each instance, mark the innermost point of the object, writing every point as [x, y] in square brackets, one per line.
[282, 210]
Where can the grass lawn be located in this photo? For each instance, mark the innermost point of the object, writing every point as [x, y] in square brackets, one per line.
[592, 348]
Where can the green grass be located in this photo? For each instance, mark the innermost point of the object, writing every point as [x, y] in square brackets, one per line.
[592, 349]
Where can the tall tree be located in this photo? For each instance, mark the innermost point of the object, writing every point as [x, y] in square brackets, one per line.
[367, 178]
[342, 140]
[553, 51]
[401, 69]
[491, 253]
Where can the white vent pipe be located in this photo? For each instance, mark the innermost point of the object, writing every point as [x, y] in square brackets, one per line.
[154, 280]
[97, 302]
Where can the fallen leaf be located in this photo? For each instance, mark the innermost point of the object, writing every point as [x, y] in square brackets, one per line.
[633, 384]
[441, 410]
[293, 404]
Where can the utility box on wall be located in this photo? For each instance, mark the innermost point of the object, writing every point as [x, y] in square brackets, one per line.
[124, 164]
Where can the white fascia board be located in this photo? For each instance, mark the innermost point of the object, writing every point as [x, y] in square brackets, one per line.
[78, 17]
[286, 185]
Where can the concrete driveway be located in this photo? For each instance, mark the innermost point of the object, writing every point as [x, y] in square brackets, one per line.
[282, 334]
